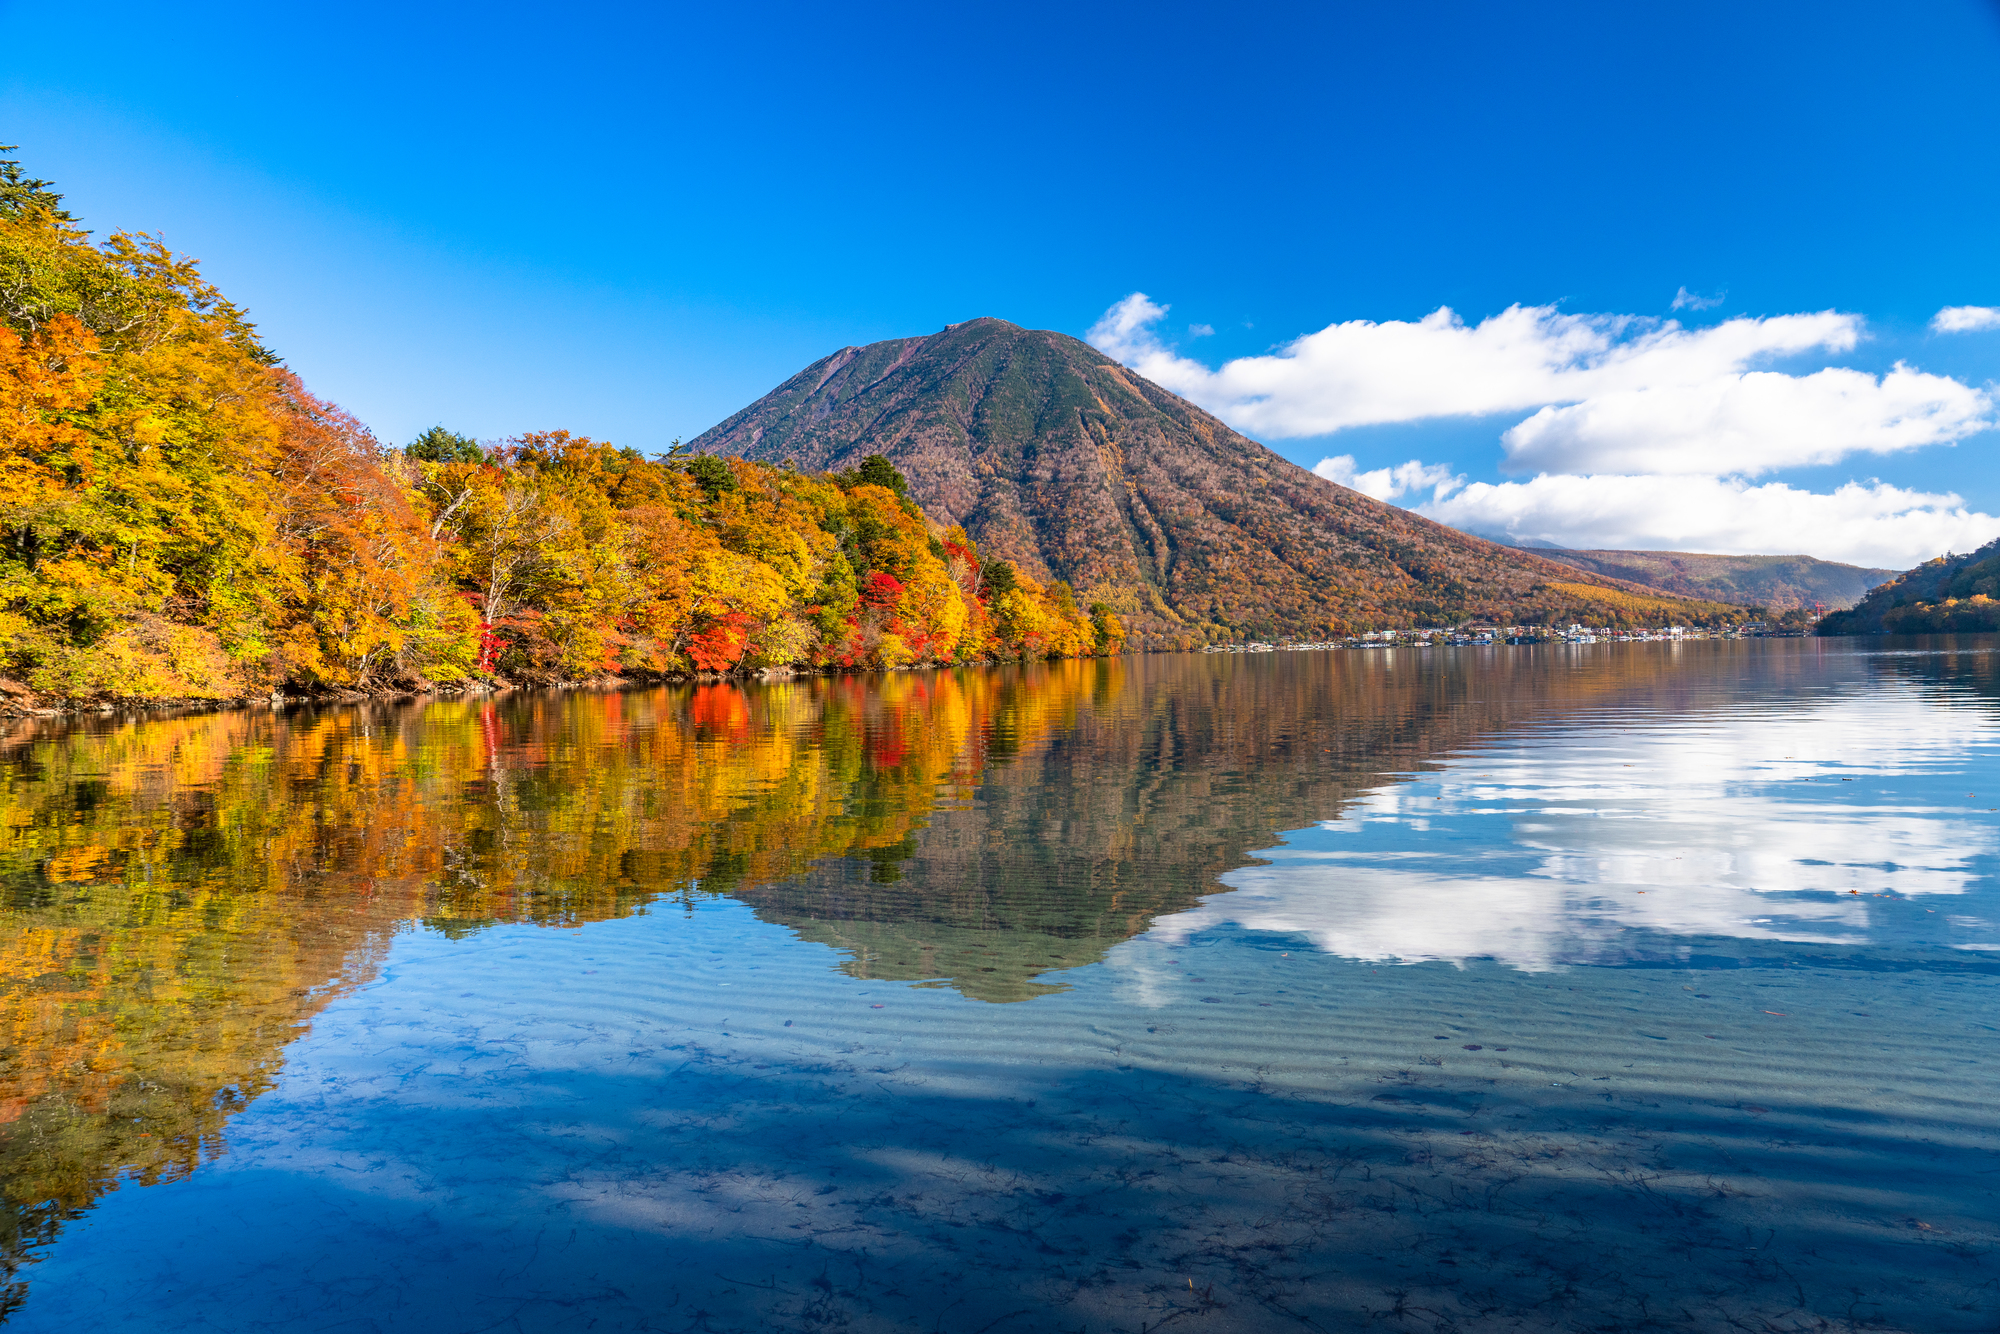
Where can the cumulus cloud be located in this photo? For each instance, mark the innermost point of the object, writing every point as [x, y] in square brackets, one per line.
[1873, 524]
[1607, 392]
[1750, 423]
[1643, 433]
[1389, 483]
[1686, 300]
[1710, 816]
[1201, 330]
[1966, 319]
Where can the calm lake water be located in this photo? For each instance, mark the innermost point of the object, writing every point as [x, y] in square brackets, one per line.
[1608, 987]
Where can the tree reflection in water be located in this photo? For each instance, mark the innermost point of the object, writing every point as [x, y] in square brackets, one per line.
[183, 895]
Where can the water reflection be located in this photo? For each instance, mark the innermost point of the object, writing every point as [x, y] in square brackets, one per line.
[1160, 778]
[1653, 830]
[184, 896]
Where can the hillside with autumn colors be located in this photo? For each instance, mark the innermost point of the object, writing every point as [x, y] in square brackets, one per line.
[1056, 457]
[1776, 583]
[181, 518]
[1956, 593]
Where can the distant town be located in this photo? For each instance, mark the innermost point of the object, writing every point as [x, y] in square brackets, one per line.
[1478, 635]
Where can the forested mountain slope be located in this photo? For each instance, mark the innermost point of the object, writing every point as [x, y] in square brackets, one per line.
[1952, 593]
[1779, 583]
[1054, 455]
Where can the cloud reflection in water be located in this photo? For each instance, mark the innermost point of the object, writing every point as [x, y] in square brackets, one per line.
[1591, 843]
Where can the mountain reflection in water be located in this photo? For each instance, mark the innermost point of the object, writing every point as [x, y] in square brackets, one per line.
[184, 895]
[1618, 836]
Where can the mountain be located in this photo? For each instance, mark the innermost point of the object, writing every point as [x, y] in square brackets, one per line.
[1952, 593]
[1055, 456]
[1106, 799]
[1779, 583]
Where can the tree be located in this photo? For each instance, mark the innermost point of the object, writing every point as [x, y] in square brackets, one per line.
[438, 445]
[711, 474]
[876, 470]
[20, 193]
[1108, 629]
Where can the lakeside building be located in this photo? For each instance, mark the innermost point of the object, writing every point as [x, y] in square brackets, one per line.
[1487, 636]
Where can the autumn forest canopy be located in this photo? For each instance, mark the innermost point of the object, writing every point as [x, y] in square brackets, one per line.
[180, 517]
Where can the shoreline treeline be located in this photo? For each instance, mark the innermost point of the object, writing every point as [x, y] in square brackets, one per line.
[181, 518]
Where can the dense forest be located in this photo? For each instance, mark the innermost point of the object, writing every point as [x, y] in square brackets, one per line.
[1777, 583]
[181, 518]
[1950, 594]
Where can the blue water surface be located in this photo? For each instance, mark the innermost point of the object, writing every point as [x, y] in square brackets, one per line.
[1610, 987]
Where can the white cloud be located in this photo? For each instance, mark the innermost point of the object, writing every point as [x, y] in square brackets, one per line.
[1966, 319]
[1389, 483]
[1608, 392]
[1686, 300]
[1750, 423]
[1201, 331]
[1710, 823]
[1642, 431]
[1875, 524]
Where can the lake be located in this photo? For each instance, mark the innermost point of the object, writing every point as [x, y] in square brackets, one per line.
[1642, 986]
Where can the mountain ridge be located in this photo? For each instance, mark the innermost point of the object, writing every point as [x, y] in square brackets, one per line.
[1779, 583]
[1952, 593]
[1077, 468]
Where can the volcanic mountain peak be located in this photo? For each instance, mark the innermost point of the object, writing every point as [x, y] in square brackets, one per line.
[1055, 456]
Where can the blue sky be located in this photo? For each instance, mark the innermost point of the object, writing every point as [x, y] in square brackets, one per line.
[631, 221]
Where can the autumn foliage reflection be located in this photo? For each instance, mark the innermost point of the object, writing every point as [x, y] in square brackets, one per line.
[182, 895]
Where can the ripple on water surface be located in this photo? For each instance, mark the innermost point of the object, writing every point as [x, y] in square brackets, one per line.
[1545, 989]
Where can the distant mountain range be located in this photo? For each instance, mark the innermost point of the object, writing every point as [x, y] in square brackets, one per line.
[1055, 456]
[1780, 583]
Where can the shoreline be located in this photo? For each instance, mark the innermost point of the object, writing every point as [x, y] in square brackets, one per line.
[18, 702]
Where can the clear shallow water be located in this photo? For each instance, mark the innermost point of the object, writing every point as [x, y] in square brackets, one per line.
[1610, 987]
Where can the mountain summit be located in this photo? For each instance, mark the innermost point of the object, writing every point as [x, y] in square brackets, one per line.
[1053, 455]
